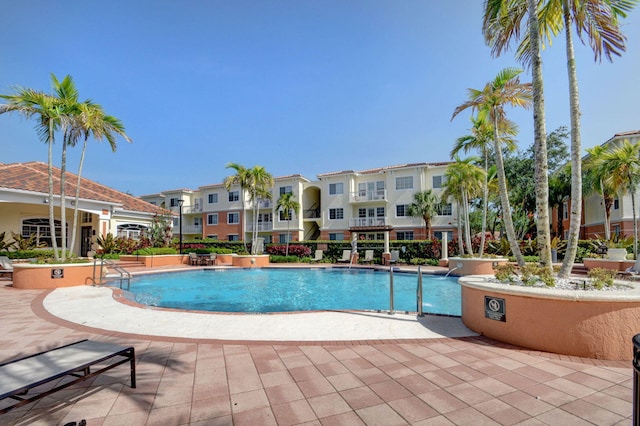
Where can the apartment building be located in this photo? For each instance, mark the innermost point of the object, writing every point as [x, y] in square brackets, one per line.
[372, 203]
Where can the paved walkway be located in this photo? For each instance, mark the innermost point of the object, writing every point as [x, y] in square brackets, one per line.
[449, 380]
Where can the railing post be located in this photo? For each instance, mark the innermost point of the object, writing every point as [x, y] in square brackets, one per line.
[391, 309]
[636, 380]
[419, 295]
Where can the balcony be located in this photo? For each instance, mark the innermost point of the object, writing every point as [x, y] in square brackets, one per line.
[189, 229]
[364, 196]
[369, 222]
[262, 226]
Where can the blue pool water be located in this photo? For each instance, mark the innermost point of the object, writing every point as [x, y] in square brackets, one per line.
[287, 290]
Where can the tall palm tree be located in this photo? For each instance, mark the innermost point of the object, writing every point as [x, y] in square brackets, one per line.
[599, 20]
[595, 173]
[260, 184]
[425, 205]
[466, 180]
[505, 89]
[46, 109]
[67, 98]
[480, 139]
[92, 121]
[623, 164]
[287, 204]
[241, 179]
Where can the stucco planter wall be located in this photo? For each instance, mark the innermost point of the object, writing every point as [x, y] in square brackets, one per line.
[592, 324]
[30, 276]
[461, 266]
[250, 261]
[160, 260]
[616, 265]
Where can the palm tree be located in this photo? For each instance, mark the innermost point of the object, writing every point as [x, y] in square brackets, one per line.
[67, 98]
[425, 205]
[92, 121]
[595, 174]
[260, 186]
[599, 19]
[46, 109]
[623, 164]
[242, 179]
[505, 89]
[466, 180]
[288, 204]
[480, 139]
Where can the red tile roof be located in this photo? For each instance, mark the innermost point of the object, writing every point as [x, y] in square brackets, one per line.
[33, 176]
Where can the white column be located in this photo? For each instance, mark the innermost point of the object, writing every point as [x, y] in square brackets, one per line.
[386, 242]
[445, 247]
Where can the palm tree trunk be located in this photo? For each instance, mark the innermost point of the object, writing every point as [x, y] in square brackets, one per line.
[244, 222]
[540, 141]
[63, 201]
[484, 203]
[52, 219]
[467, 225]
[635, 223]
[74, 229]
[575, 217]
[507, 220]
[607, 227]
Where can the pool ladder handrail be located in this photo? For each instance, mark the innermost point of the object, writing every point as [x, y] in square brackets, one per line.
[115, 272]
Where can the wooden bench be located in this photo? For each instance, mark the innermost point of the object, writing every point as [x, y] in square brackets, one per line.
[19, 376]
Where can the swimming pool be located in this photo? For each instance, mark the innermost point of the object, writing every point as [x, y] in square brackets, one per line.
[266, 290]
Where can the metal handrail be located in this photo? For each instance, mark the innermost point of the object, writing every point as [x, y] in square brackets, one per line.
[419, 293]
[120, 274]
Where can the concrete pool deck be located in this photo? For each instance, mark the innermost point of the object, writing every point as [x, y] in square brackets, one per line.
[421, 381]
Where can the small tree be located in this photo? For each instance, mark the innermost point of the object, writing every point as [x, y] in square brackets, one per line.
[288, 204]
[425, 205]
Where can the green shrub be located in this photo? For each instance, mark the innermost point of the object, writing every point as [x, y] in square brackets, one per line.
[601, 277]
[287, 259]
[155, 251]
[423, 261]
[506, 272]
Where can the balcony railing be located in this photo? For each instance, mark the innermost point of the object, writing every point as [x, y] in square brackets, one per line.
[262, 226]
[189, 229]
[312, 214]
[360, 196]
[367, 222]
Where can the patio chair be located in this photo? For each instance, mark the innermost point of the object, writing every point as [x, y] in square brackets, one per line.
[318, 256]
[19, 376]
[368, 256]
[209, 260]
[7, 266]
[193, 259]
[346, 256]
[395, 256]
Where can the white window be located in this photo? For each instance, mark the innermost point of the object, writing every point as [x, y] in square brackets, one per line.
[40, 227]
[405, 235]
[336, 236]
[130, 230]
[439, 181]
[565, 210]
[174, 202]
[213, 198]
[445, 210]
[282, 218]
[336, 214]
[404, 182]
[402, 210]
[197, 222]
[282, 238]
[212, 219]
[336, 188]
[233, 237]
[234, 196]
[87, 217]
[438, 235]
[233, 218]
[286, 190]
[213, 236]
[616, 204]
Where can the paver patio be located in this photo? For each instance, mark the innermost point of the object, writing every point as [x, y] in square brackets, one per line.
[443, 381]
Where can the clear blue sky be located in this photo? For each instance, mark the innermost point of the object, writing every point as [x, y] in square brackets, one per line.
[296, 86]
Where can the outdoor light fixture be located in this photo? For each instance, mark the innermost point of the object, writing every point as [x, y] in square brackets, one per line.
[180, 203]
